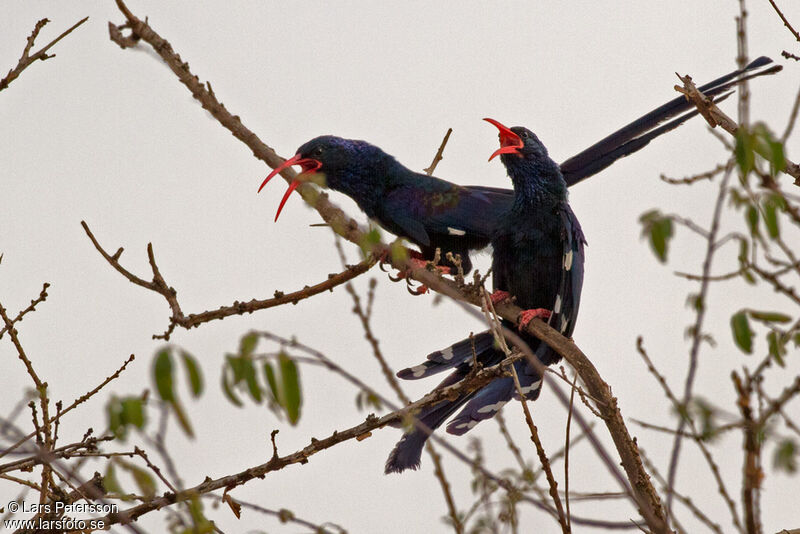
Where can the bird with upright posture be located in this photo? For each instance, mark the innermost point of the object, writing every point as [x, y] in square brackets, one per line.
[433, 213]
[538, 260]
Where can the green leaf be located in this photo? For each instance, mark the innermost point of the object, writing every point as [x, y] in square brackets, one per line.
[250, 380]
[659, 230]
[227, 387]
[751, 215]
[162, 373]
[768, 147]
[706, 413]
[183, 419]
[269, 373]
[771, 219]
[125, 412]
[200, 523]
[365, 399]
[236, 365]
[133, 411]
[695, 301]
[744, 151]
[110, 482]
[248, 344]
[290, 387]
[769, 317]
[777, 158]
[397, 251]
[145, 482]
[777, 349]
[193, 372]
[742, 334]
[368, 242]
[786, 456]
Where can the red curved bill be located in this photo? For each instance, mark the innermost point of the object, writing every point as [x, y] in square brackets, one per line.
[510, 142]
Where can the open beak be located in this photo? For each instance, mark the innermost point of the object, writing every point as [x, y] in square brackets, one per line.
[510, 143]
[309, 166]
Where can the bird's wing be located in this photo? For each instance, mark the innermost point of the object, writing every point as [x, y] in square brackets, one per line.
[434, 206]
[565, 309]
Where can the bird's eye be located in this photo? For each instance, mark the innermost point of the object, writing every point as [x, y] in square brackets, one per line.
[317, 151]
[524, 135]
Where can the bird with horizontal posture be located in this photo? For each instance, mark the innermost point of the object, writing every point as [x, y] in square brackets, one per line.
[433, 213]
[538, 260]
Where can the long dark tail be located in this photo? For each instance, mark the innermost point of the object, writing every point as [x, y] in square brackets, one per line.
[462, 352]
[640, 132]
[492, 397]
[408, 451]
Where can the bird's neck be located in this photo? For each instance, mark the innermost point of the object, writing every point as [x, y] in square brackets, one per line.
[537, 183]
[369, 181]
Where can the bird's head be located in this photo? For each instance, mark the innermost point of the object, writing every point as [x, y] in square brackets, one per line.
[529, 166]
[517, 142]
[328, 161]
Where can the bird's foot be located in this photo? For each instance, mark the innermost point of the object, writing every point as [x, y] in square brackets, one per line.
[526, 316]
[383, 259]
[499, 296]
[416, 291]
[418, 263]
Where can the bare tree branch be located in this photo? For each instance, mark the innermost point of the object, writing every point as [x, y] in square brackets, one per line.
[26, 59]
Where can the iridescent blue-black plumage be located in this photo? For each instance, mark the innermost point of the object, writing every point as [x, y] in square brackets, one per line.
[538, 259]
[434, 213]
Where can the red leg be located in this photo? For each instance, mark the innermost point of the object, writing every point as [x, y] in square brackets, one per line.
[526, 316]
[499, 296]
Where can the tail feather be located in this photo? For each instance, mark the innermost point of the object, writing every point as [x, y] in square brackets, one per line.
[492, 397]
[453, 356]
[634, 136]
[408, 451]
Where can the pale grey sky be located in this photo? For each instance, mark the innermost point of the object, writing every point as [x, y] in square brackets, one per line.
[111, 137]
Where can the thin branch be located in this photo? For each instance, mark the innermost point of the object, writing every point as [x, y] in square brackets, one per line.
[566, 448]
[26, 59]
[41, 298]
[785, 22]
[688, 180]
[695, 435]
[751, 473]
[697, 329]
[364, 317]
[792, 119]
[192, 320]
[438, 157]
[715, 117]
[285, 516]
[75, 403]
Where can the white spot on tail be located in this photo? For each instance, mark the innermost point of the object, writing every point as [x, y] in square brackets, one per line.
[564, 324]
[568, 260]
[557, 306]
[455, 231]
[468, 425]
[532, 387]
[492, 407]
[419, 370]
[447, 354]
